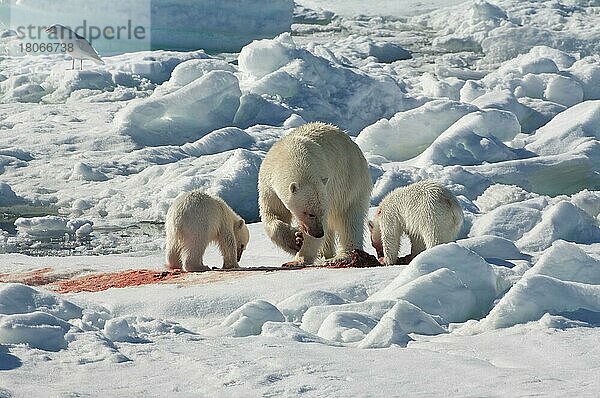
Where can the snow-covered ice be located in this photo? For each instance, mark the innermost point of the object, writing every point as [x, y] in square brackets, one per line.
[499, 101]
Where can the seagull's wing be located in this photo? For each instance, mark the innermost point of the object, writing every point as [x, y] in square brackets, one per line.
[82, 49]
[85, 48]
[78, 36]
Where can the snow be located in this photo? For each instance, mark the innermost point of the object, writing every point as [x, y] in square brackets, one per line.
[53, 226]
[587, 72]
[35, 329]
[563, 90]
[408, 133]
[313, 318]
[503, 100]
[582, 267]
[295, 306]
[550, 295]
[510, 221]
[206, 104]
[467, 287]
[250, 317]
[493, 247]
[82, 171]
[567, 130]
[266, 56]
[393, 327]
[385, 52]
[279, 69]
[498, 101]
[21, 299]
[563, 220]
[501, 194]
[232, 175]
[472, 139]
[346, 326]
[188, 71]
[588, 202]
[386, 7]
[35, 78]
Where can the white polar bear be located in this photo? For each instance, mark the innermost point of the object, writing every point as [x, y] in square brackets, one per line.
[318, 178]
[426, 211]
[196, 219]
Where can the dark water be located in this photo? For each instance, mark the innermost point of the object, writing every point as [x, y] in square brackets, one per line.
[8, 215]
[103, 240]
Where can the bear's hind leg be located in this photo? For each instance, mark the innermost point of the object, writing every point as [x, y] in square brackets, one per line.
[434, 237]
[173, 255]
[417, 246]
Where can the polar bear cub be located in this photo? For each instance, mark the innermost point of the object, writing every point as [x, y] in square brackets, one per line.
[196, 219]
[426, 211]
[317, 178]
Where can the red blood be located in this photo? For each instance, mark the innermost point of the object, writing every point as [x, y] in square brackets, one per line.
[36, 277]
[104, 281]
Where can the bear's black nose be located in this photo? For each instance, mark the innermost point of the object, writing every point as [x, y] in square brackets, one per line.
[316, 232]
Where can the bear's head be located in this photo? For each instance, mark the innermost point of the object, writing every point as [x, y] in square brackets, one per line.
[242, 236]
[308, 202]
[376, 241]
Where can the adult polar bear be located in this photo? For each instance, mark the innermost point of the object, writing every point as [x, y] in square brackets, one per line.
[317, 177]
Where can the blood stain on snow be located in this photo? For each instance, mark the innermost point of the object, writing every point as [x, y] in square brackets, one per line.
[36, 277]
[65, 283]
[104, 281]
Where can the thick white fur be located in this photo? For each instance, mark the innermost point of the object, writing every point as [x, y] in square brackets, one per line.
[426, 211]
[196, 219]
[318, 171]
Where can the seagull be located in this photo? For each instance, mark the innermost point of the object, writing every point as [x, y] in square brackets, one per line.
[76, 46]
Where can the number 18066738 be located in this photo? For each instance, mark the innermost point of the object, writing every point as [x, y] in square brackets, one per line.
[45, 47]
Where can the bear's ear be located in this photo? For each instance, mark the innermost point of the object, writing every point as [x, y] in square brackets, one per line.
[240, 224]
[293, 187]
[370, 224]
[325, 180]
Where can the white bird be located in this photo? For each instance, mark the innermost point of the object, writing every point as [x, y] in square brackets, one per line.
[75, 45]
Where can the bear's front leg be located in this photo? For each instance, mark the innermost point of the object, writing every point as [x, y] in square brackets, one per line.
[391, 245]
[227, 245]
[349, 227]
[284, 235]
[277, 221]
